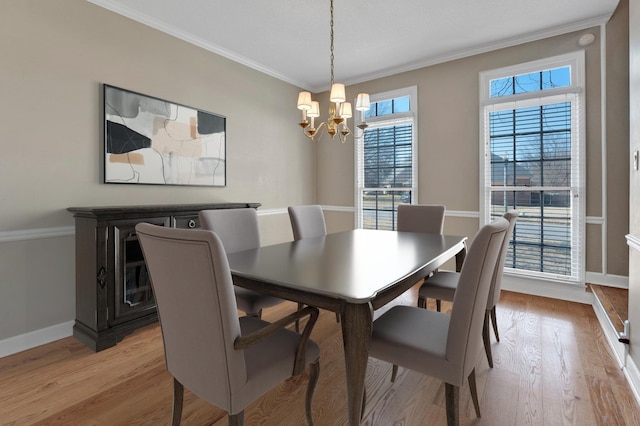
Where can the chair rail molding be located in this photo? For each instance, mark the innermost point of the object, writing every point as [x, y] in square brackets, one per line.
[36, 233]
[64, 231]
[633, 241]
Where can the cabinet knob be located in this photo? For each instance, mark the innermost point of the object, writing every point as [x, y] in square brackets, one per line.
[191, 223]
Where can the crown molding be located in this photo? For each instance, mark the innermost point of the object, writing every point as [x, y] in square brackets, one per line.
[196, 41]
[315, 88]
[487, 47]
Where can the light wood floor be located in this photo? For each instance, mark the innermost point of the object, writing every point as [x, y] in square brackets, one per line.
[552, 367]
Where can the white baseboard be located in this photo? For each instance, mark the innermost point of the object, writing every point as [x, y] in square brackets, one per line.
[620, 350]
[608, 280]
[632, 374]
[32, 339]
[552, 289]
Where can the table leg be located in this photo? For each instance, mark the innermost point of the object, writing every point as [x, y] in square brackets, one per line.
[356, 324]
[460, 258]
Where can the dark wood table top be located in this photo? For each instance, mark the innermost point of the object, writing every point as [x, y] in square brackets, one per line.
[354, 266]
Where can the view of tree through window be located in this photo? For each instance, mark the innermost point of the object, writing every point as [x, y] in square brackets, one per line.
[531, 147]
[387, 174]
[530, 82]
[386, 162]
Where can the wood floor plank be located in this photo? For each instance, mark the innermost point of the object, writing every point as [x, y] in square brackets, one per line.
[552, 366]
[603, 402]
[564, 388]
[499, 402]
[627, 404]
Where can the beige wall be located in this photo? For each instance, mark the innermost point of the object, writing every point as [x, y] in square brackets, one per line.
[54, 57]
[618, 139]
[448, 147]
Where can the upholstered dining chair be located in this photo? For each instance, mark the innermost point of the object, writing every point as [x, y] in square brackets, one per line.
[227, 360]
[238, 229]
[307, 221]
[421, 218]
[443, 285]
[444, 346]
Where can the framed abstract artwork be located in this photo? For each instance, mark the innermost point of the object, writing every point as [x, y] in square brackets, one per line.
[152, 141]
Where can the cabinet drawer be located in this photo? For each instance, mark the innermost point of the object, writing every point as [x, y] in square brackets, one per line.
[189, 222]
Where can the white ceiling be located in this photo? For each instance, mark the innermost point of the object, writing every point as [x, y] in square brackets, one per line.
[289, 39]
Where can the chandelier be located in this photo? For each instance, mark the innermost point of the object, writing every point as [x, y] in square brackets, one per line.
[339, 110]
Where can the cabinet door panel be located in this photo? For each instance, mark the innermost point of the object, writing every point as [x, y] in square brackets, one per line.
[132, 293]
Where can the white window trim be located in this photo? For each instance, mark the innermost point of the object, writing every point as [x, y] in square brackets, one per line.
[412, 115]
[576, 93]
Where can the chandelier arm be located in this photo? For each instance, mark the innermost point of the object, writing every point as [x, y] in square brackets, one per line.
[316, 132]
[321, 129]
[343, 133]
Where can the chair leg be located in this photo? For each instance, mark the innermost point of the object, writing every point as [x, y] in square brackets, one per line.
[394, 373]
[178, 398]
[236, 419]
[486, 339]
[438, 305]
[314, 373]
[474, 391]
[452, 399]
[300, 307]
[422, 302]
[337, 317]
[495, 323]
[364, 402]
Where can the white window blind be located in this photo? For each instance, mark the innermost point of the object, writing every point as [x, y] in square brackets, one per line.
[385, 160]
[532, 145]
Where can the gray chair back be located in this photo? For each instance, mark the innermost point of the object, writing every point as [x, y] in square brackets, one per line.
[237, 228]
[496, 283]
[199, 347]
[464, 339]
[421, 218]
[307, 221]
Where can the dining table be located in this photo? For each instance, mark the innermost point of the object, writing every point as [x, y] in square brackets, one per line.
[352, 273]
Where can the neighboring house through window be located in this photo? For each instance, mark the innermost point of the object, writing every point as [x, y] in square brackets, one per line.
[532, 149]
[385, 159]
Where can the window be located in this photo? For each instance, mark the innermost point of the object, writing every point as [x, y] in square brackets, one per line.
[532, 138]
[385, 159]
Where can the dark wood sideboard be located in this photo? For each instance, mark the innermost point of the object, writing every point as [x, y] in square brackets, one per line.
[113, 290]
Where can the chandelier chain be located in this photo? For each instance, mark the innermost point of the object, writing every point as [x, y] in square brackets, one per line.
[339, 109]
[331, 37]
